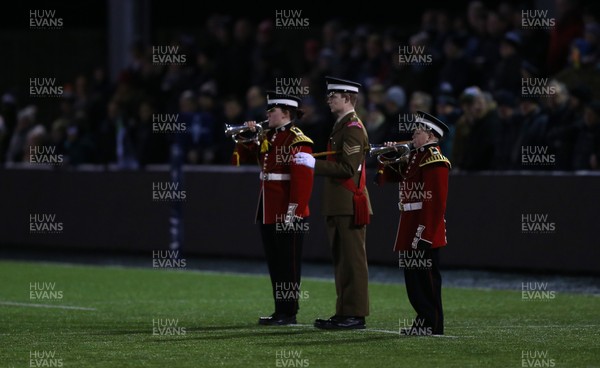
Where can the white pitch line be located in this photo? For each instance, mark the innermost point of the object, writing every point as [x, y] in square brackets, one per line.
[376, 330]
[15, 304]
[383, 331]
[398, 333]
[532, 326]
[449, 336]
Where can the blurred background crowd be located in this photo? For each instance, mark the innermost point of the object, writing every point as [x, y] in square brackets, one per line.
[476, 61]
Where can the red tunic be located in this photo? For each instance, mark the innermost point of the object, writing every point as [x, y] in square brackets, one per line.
[423, 189]
[283, 183]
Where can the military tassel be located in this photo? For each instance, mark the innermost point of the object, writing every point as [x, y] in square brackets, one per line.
[264, 146]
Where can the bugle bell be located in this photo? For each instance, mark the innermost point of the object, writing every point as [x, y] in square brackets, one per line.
[234, 131]
[387, 155]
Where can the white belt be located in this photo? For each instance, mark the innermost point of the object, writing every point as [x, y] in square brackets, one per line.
[274, 176]
[410, 206]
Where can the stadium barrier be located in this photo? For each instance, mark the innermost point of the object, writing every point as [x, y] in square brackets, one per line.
[509, 221]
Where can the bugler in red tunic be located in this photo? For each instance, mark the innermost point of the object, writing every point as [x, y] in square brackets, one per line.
[285, 186]
[423, 189]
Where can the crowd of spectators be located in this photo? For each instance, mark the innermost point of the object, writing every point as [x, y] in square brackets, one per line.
[472, 78]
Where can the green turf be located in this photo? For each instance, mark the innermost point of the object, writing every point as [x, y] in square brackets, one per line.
[217, 316]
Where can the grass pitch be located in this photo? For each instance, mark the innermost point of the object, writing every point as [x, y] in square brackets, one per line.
[89, 316]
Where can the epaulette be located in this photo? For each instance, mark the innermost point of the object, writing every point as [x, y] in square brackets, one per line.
[299, 137]
[353, 120]
[355, 123]
[434, 156]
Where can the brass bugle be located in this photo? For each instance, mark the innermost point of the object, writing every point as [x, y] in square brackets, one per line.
[234, 131]
[401, 151]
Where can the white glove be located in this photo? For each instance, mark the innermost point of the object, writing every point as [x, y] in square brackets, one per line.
[291, 213]
[306, 159]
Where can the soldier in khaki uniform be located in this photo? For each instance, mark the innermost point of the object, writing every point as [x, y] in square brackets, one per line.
[346, 205]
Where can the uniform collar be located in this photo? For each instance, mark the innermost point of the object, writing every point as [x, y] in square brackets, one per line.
[283, 127]
[343, 116]
[427, 145]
